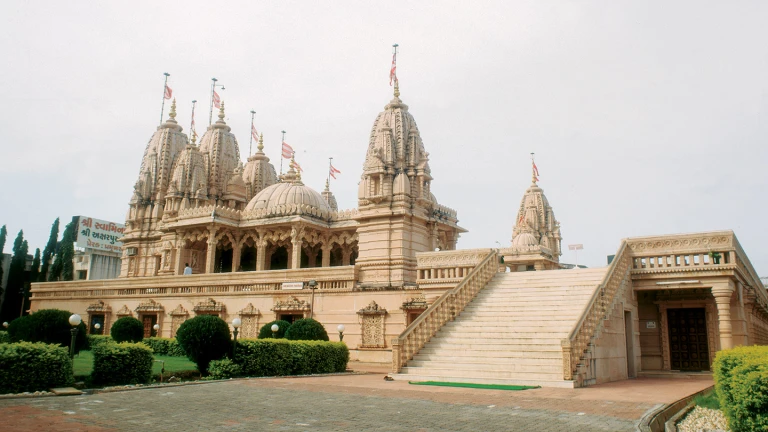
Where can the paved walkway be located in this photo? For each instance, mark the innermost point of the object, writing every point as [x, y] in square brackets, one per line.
[348, 403]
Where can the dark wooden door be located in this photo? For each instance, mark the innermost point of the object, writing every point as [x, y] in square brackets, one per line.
[688, 339]
[149, 322]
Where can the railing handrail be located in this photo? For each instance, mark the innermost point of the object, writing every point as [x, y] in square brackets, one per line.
[409, 331]
[600, 287]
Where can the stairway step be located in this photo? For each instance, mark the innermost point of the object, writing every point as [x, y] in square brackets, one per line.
[449, 373]
[501, 381]
[491, 351]
[458, 359]
[496, 366]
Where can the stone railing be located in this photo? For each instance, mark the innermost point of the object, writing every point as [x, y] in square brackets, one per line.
[340, 278]
[210, 211]
[576, 346]
[445, 269]
[444, 309]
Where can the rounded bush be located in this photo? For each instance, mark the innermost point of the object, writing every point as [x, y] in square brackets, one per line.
[49, 326]
[306, 329]
[266, 329]
[122, 363]
[223, 369]
[28, 367]
[204, 338]
[127, 329]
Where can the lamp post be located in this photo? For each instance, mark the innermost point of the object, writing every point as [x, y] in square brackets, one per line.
[312, 286]
[74, 321]
[275, 328]
[156, 328]
[5, 324]
[236, 323]
[97, 326]
[340, 328]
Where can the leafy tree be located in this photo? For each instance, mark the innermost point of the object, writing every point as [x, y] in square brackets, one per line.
[63, 267]
[3, 235]
[204, 338]
[33, 275]
[127, 329]
[49, 250]
[266, 330]
[15, 287]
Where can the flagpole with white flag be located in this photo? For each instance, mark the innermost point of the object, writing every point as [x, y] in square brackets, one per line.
[282, 144]
[215, 99]
[250, 143]
[192, 133]
[166, 95]
[330, 169]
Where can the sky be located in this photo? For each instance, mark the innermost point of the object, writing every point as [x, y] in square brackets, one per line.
[646, 118]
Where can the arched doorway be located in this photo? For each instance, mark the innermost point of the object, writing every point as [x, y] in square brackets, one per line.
[279, 259]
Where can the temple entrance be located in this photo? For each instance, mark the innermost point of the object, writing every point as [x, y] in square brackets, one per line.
[149, 322]
[291, 318]
[223, 261]
[688, 345]
[96, 319]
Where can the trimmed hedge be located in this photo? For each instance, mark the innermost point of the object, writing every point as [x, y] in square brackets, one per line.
[164, 346]
[4, 337]
[204, 338]
[266, 330]
[741, 383]
[122, 363]
[98, 340]
[28, 367]
[306, 329]
[127, 329]
[49, 326]
[223, 369]
[277, 357]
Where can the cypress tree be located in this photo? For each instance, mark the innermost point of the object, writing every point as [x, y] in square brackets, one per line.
[67, 252]
[49, 250]
[15, 288]
[33, 277]
[3, 235]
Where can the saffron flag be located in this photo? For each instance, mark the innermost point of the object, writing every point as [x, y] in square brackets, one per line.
[254, 132]
[535, 171]
[333, 171]
[168, 92]
[393, 69]
[296, 165]
[216, 100]
[287, 150]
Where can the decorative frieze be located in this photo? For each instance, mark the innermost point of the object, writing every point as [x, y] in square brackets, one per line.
[178, 316]
[150, 306]
[209, 306]
[292, 304]
[123, 311]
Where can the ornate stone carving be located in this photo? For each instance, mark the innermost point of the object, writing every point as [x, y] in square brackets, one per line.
[249, 310]
[373, 331]
[209, 306]
[415, 303]
[292, 304]
[178, 316]
[458, 258]
[372, 309]
[150, 306]
[99, 307]
[123, 311]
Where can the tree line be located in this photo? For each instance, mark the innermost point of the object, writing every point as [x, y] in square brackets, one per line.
[55, 264]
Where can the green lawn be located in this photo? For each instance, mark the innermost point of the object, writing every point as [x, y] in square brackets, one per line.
[84, 364]
[707, 400]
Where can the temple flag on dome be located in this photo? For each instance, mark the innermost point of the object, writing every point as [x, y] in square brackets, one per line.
[535, 171]
[287, 150]
[296, 165]
[393, 69]
[333, 171]
[216, 100]
[254, 132]
[168, 92]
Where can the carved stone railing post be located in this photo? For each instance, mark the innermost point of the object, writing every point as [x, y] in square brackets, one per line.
[397, 355]
[567, 369]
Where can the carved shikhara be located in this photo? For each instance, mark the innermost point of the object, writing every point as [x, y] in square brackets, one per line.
[372, 317]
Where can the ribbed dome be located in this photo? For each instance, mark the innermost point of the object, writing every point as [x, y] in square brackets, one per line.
[290, 198]
[258, 173]
[524, 240]
[222, 154]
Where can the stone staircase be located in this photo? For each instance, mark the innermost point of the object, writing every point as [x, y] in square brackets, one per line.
[511, 332]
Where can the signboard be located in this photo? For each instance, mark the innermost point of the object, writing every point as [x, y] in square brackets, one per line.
[293, 285]
[576, 247]
[650, 325]
[99, 235]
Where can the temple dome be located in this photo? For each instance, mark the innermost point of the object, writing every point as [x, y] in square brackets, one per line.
[524, 240]
[290, 197]
[258, 172]
[222, 155]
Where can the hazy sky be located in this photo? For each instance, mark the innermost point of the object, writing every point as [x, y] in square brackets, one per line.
[646, 117]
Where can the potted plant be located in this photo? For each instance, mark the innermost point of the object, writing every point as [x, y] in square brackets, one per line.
[715, 257]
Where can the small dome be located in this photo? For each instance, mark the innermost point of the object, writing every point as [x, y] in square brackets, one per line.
[290, 198]
[524, 240]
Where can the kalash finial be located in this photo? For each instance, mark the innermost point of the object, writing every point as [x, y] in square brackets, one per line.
[260, 147]
[221, 111]
[397, 88]
[327, 186]
[172, 114]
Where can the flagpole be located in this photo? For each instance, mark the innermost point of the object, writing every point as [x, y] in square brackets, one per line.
[213, 89]
[250, 144]
[281, 154]
[165, 86]
[192, 122]
[330, 164]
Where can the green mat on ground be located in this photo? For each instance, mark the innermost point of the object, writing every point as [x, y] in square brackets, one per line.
[470, 385]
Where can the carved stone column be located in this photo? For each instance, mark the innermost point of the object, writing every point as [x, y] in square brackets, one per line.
[210, 258]
[326, 248]
[179, 253]
[346, 254]
[236, 251]
[296, 242]
[261, 254]
[723, 294]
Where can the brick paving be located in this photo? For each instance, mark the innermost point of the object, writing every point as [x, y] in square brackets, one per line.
[346, 403]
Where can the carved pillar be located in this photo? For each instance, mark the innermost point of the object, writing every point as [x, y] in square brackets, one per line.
[326, 248]
[296, 251]
[210, 258]
[237, 249]
[723, 294]
[346, 253]
[179, 253]
[261, 254]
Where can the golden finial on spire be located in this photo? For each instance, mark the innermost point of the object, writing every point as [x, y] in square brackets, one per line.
[194, 137]
[397, 88]
[327, 185]
[261, 143]
[172, 114]
[221, 111]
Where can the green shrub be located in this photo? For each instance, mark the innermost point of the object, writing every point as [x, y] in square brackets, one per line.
[27, 366]
[736, 371]
[306, 329]
[204, 338]
[4, 337]
[164, 346]
[122, 363]
[98, 340]
[277, 357]
[266, 329]
[127, 329]
[223, 369]
[49, 326]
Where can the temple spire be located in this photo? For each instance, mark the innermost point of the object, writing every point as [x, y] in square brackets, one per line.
[260, 147]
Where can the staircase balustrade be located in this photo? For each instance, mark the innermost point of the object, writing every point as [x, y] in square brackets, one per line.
[576, 348]
[444, 309]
